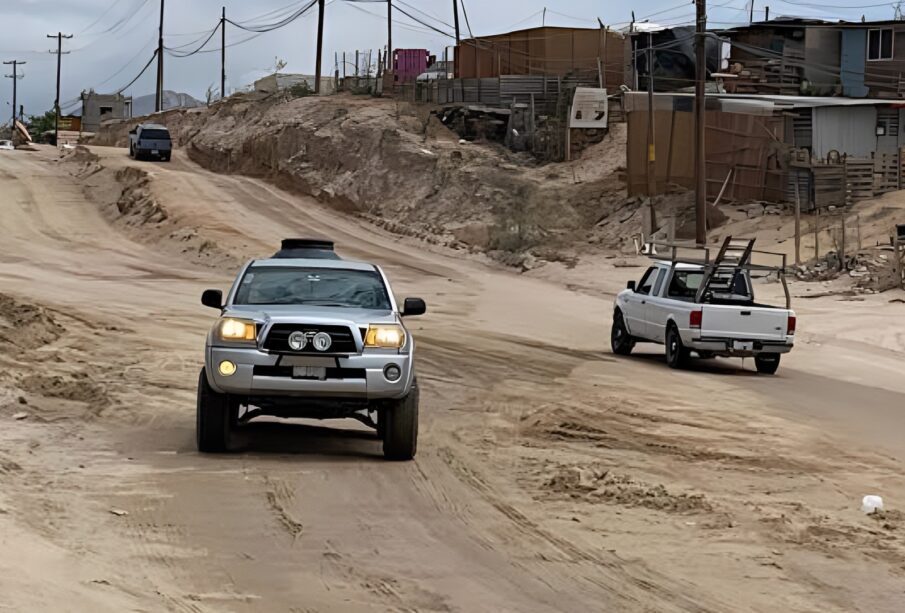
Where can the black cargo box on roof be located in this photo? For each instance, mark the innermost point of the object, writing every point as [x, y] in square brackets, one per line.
[306, 248]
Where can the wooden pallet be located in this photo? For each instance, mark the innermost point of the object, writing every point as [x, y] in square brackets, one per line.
[829, 185]
[859, 179]
[887, 173]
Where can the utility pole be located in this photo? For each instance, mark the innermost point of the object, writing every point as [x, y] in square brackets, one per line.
[223, 55]
[15, 77]
[390, 26]
[751, 14]
[456, 19]
[320, 46]
[651, 145]
[158, 100]
[56, 103]
[700, 159]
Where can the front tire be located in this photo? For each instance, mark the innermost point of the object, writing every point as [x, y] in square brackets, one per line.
[767, 364]
[400, 427]
[677, 355]
[621, 341]
[215, 415]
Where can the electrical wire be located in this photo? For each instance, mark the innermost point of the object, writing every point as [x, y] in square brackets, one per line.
[176, 53]
[465, 12]
[262, 28]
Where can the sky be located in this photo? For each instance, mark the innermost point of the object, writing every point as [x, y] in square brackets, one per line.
[114, 39]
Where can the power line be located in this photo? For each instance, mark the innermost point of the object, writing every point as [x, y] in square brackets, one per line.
[56, 104]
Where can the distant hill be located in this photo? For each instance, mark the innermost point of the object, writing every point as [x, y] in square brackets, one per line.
[144, 105]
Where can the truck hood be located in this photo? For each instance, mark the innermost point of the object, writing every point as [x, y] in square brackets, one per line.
[312, 314]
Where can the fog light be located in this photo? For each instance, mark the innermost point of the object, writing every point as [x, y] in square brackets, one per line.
[392, 372]
[227, 368]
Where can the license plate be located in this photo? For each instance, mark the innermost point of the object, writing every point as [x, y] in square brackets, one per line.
[309, 372]
[155, 152]
[743, 346]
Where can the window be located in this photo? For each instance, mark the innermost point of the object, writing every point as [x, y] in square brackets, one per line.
[331, 287]
[106, 110]
[659, 284]
[879, 44]
[685, 284]
[647, 281]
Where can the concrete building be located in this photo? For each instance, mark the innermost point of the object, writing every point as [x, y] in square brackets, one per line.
[101, 107]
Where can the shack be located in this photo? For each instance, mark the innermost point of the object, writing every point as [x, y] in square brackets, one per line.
[832, 151]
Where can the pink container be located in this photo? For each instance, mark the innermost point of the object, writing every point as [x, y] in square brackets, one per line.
[409, 63]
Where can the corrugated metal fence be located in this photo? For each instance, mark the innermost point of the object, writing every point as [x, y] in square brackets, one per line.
[498, 92]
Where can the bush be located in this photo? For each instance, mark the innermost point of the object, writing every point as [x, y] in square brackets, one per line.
[300, 90]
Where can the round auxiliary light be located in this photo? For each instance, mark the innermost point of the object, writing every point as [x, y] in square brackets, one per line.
[227, 368]
[392, 372]
[322, 341]
[297, 341]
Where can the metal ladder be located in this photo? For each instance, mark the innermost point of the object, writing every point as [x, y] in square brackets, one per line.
[736, 253]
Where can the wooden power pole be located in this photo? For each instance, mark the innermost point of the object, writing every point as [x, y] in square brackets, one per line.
[700, 159]
[390, 27]
[456, 18]
[320, 46]
[651, 142]
[158, 100]
[56, 103]
[15, 77]
[223, 55]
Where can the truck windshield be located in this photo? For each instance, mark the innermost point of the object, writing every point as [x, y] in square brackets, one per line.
[332, 287]
[155, 134]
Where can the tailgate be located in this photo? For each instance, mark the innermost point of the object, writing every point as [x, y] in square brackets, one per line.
[744, 323]
[156, 144]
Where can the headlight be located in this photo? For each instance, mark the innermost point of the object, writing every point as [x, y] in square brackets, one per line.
[385, 336]
[238, 330]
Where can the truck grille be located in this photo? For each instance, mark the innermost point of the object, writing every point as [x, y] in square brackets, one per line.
[278, 339]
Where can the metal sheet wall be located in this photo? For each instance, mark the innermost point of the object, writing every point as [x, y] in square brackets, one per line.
[850, 130]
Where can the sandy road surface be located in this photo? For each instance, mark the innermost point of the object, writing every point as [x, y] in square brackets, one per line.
[550, 475]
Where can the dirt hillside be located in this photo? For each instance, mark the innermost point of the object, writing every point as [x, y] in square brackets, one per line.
[405, 170]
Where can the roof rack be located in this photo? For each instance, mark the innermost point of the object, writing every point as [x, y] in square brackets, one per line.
[306, 248]
[734, 255]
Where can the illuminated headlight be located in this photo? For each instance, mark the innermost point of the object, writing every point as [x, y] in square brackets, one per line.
[237, 330]
[386, 336]
[227, 368]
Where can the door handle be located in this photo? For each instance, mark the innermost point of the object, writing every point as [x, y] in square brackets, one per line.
[746, 312]
[644, 302]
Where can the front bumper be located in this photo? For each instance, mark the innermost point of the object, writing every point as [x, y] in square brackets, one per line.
[363, 376]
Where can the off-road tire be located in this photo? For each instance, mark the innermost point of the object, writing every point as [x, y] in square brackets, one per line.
[400, 429]
[767, 364]
[131, 151]
[621, 341]
[677, 355]
[215, 416]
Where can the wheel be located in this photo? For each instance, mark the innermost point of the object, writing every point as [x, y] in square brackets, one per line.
[767, 364]
[131, 151]
[621, 341]
[215, 416]
[400, 433]
[676, 354]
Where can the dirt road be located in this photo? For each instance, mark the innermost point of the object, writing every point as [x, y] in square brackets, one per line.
[550, 477]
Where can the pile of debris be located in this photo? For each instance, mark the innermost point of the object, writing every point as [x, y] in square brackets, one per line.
[872, 270]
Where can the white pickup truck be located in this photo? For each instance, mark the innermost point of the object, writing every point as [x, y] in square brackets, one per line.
[705, 308]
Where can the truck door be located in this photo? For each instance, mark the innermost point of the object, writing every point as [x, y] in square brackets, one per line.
[636, 315]
[657, 311]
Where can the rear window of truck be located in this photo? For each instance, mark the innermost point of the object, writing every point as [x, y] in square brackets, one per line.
[155, 134]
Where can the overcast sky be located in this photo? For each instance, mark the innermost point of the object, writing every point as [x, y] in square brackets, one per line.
[115, 38]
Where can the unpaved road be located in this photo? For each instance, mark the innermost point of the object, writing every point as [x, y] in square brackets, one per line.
[550, 477]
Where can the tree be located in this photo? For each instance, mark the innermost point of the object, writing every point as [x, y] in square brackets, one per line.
[38, 124]
[278, 64]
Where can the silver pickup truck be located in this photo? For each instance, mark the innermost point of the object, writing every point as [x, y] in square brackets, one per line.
[150, 140]
[707, 308]
[307, 334]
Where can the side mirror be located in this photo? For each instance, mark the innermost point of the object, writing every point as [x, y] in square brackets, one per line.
[212, 298]
[631, 285]
[413, 306]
